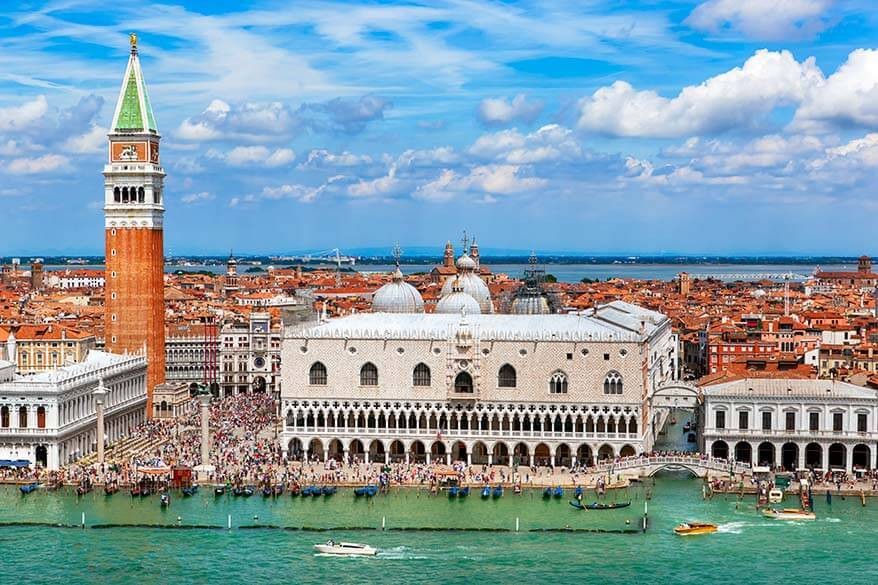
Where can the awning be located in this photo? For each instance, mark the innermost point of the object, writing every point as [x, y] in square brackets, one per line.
[14, 463]
[5, 463]
[154, 470]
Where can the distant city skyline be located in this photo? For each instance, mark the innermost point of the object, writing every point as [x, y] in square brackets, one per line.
[669, 127]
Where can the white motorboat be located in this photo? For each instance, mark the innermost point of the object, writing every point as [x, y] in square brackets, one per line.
[775, 496]
[789, 514]
[331, 547]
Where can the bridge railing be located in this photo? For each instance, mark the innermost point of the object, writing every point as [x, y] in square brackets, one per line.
[705, 462]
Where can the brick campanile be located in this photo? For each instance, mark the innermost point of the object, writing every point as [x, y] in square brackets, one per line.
[134, 307]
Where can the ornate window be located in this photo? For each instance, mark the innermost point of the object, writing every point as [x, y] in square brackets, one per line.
[22, 417]
[558, 383]
[613, 383]
[463, 383]
[421, 375]
[4, 417]
[507, 377]
[317, 375]
[368, 375]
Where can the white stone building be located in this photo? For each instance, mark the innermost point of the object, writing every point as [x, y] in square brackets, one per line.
[484, 388]
[249, 356]
[794, 424]
[49, 418]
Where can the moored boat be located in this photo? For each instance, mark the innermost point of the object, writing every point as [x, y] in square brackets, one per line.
[267, 492]
[693, 528]
[558, 492]
[295, 491]
[110, 489]
[598, 506]
[464, 492]
[219, 490]
[453, 491]
[331, 547]
[189, 491]
[497, 492]
[368, 491]
[26, 489]
[547, 493]
[789, 514]
[486, 492]
[328, 490]
[775, 496]
[164, 500]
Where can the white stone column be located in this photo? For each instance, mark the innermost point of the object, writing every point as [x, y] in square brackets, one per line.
[99, 393]
[205, 468]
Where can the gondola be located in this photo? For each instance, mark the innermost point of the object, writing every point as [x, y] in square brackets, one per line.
[82, 490]
[109, 490]
[558, 492]
[578, 491]
[295, 491]
[26, 489]
[248, 491]
[547, 493]
[267, 492]
[219, 490]
[278, 490]
[453, 491]
[366, 490]
[486, 492]
[498, 491]
[189, 491]
[144, 492]
[598, 506]
[238, 491]
[307, 491]
[135, 492]
[464, 492]
[328, 490]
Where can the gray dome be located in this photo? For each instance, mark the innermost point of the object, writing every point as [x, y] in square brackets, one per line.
[531, 305]
[457, 302]
[397, 296]
[470, 283]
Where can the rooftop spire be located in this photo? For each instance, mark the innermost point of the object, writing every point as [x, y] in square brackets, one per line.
[133, 109]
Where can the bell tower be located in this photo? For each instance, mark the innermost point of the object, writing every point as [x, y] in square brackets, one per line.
[134, 307]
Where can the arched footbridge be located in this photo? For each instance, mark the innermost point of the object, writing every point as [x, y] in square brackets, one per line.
[695, 464]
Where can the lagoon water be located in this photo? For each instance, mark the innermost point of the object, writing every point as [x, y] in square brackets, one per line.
[837, 548]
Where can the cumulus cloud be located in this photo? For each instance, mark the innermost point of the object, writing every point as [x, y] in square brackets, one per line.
[260, 122]
[349, 116]
[197, 197]
[740, 98]
[92, 141]
[848, 97]
[486, 179]
[259, 156]
[550, 143]
[41, 164]
[758, 19]
[500, 111]
[301, 193]
[381, 186]
[321, 158]
[22, 117]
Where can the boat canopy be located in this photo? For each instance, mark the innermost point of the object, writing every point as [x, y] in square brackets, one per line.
[14, 463]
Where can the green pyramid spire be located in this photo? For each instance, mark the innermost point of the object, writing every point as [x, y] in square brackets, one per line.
[133, 110]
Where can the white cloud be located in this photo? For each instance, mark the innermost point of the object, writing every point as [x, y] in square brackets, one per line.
[301, 193]
[739, 98]
[321, 158]
[42, 164]
[384, 185]
[847, 97]
[92, 141]
[197, 197]
[487, 179]
[19, 118]
[259, 156]
[500, 111]
[762, 19]
[246, 121]
[550, 143]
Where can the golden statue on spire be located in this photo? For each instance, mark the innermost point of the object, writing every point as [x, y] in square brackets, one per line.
[132, 38]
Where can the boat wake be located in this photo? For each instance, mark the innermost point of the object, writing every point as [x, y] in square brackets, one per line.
[832, 520]
[732, 527]
[399, 553]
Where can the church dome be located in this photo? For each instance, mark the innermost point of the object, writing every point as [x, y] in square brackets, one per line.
[469, 283]
[531, 305]
[397, 296]
[457, 302]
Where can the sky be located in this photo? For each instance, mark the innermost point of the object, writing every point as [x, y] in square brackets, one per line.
[592, 126]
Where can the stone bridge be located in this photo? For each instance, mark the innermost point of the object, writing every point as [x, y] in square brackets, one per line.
[697, 465]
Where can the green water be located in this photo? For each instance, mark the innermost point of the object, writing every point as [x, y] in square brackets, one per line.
[837, 548]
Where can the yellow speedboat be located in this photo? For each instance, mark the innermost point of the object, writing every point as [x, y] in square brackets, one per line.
[690, 528]
[789, 514]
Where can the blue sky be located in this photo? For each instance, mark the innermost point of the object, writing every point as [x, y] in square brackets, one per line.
[717, 126]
